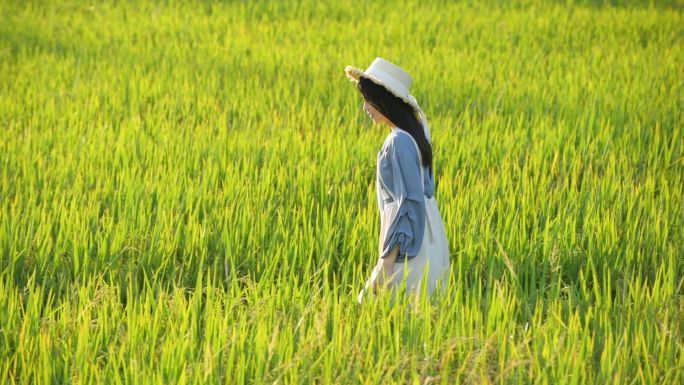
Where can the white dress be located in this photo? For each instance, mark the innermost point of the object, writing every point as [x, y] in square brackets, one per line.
[434, 250]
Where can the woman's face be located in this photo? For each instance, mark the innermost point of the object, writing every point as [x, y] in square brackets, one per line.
[374, 114]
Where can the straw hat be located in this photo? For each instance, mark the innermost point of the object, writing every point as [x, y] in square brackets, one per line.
[394, 79]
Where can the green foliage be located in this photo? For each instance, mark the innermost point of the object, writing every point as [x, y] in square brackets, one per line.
[187, 192]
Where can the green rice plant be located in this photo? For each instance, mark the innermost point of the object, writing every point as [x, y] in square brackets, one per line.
[187, 192]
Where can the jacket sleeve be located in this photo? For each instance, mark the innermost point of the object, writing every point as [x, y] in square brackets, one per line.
[406, 228]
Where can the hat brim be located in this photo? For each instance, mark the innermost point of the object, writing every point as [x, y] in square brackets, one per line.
[354, 74]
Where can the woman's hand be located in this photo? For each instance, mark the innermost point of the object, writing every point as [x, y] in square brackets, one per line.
[384, 268]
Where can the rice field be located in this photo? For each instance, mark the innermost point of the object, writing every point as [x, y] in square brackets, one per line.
[187, 192]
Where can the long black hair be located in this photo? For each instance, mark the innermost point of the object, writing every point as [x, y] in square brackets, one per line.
[398, 112]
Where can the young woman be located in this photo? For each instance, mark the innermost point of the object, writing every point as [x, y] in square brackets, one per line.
[412, 235]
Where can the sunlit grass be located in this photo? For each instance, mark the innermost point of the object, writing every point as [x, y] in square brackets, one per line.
[187, 192]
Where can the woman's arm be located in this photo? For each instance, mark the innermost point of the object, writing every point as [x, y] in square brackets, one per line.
[385, 268]
[400, 170]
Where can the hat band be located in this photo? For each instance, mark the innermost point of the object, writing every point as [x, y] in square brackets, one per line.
[426, 128]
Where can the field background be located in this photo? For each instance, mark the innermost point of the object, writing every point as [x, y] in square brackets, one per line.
[187, 192]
